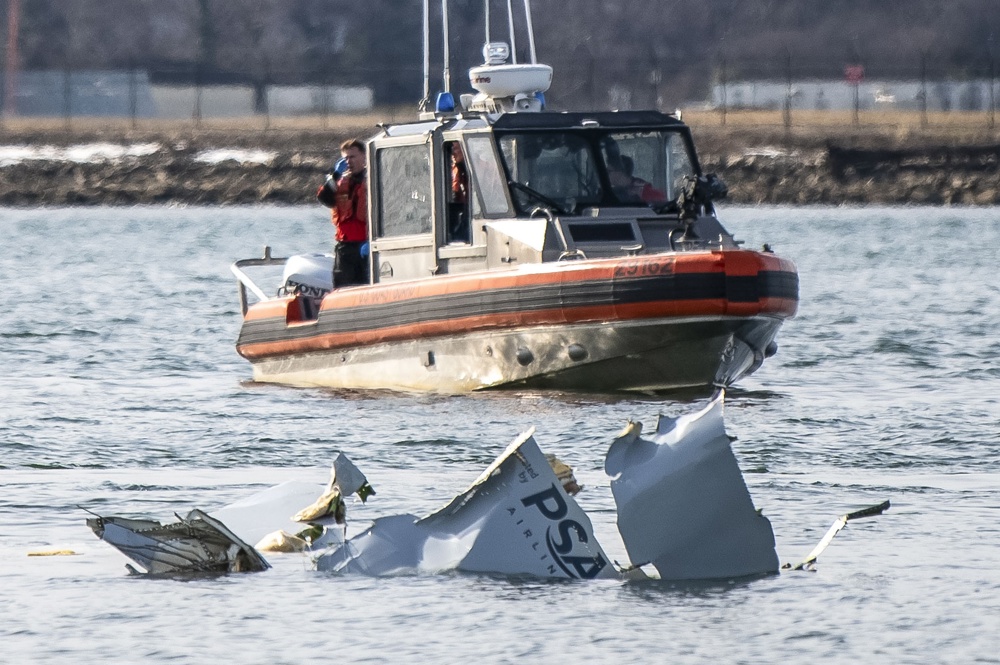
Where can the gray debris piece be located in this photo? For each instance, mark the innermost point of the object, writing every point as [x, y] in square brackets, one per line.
[194, 544]
[683, 505]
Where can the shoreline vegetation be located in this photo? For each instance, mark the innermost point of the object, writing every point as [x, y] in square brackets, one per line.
[819, 158]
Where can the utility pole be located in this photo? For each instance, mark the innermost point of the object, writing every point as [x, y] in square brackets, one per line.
[13, 58]
[788, 91]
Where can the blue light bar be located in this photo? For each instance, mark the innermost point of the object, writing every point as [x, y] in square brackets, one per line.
[445, 103]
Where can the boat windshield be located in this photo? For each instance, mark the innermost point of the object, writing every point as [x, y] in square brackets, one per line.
[572, 170]
[646, 167]
[552, 169]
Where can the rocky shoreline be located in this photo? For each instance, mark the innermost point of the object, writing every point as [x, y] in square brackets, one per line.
[191, 167]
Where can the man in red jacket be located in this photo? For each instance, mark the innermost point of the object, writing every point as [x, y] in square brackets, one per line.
[347, 195]
[458, 202]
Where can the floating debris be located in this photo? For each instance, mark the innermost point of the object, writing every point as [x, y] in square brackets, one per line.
[53, 553]
[345, 478]
[515, 519]
[282, 541]
[683, 505]
[267, 511]
[683, 509]
[194, 544]
[329, 505]
[809, 562]
[564, 473]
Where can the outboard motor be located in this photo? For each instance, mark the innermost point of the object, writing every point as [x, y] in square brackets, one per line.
[308, 274]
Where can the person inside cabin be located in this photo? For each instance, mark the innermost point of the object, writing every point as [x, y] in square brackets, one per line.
[627, 187]
[640, 188]
[345, 193]
[458, 197]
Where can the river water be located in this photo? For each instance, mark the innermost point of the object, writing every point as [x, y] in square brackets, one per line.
[122, 394]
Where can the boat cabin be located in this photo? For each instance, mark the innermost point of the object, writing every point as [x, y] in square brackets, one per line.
[466, 192]
[513, 247]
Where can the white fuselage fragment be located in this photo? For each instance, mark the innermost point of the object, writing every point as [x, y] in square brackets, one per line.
[683, 505]
[515, 519]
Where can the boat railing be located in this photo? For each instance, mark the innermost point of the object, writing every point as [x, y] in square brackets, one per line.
[244, 281]
[572, 255]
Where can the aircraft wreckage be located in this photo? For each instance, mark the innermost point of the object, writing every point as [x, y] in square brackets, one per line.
[683, 509]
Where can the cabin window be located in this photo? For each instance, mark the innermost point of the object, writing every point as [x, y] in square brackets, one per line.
[405, 200]
[554, 170]
[679, 164]
[489, 181]
[646, 166]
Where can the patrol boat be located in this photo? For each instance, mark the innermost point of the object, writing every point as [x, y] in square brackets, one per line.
[586, 256]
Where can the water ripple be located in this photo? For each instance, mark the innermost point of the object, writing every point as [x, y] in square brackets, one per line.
[883, 387]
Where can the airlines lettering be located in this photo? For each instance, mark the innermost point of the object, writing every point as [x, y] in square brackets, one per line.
[552, 506]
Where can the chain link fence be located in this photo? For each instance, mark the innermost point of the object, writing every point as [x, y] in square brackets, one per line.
[780, 91]
[919, 93]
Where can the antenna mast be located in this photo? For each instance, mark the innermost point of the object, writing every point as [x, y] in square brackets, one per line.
[427, 54]
[444, 26]
[510, 23]
[531, 30]
[486, 5]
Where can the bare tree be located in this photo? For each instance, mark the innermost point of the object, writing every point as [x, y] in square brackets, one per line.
[595, 45]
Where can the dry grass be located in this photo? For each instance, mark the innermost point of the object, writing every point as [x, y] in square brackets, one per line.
[739, 127]
[896, 127]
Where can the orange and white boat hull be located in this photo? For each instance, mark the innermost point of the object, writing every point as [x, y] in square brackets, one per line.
[659, 322]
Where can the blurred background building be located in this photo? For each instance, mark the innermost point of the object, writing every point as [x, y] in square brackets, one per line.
[230, 58]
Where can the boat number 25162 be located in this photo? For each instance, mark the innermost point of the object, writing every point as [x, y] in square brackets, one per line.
[646, 268]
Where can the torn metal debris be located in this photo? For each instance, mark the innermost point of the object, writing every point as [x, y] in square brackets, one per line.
[515, 519]
[194, 544]
[810, 561]
[683, 509]
[683, 505]
[345, 478]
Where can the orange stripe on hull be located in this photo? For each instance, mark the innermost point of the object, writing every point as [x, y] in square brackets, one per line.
[728, 262]
[611, 314]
